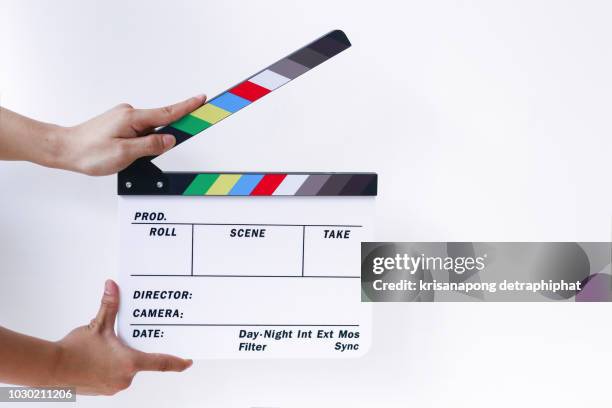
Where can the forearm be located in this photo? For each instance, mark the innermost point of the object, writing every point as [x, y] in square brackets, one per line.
[100, 146]
[26, 139]
[26, 360]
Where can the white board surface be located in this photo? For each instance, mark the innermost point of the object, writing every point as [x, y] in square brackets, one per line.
[244, 277]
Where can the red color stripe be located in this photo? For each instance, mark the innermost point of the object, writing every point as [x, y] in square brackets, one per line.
[249, 90]
[268, 184]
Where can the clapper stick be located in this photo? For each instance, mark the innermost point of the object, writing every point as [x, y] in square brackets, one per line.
[144, 178]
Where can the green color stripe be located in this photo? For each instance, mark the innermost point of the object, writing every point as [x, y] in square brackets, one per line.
[200, 184]
[190, 124]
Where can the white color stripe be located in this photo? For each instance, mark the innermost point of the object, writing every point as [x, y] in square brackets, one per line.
[290, 184]
[269, 79]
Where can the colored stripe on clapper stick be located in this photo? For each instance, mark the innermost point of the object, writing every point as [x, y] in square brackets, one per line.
[280, 184]
[257, 86]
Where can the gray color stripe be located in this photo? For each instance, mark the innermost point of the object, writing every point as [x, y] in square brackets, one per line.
[335, 184]
[312, 185]
[308, 57]
[288, 69]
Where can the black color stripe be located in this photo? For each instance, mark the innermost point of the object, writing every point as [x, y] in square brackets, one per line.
[328, 46]
[361, 184]
[179, 182]
[339, 36]
[372, 188]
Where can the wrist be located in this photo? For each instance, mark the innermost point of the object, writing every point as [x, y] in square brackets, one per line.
[57, 374]
[53, 152]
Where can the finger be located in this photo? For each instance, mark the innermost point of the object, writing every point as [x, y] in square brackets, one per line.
[151, 145]
[161, 362]
[105, 319]
[151, 118]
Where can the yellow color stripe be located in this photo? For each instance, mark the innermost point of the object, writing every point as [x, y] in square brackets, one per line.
[223, 184]
[210, 113]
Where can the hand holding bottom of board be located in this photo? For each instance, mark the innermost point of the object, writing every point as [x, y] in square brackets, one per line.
[95, 361]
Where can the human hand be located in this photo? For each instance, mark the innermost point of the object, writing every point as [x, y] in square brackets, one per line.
[95, 361]
[110, 142]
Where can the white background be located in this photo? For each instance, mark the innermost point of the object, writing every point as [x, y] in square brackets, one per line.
[486, 120]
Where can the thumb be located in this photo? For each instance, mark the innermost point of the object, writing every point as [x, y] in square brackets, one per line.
[105, 319]
[151, 145]
[160, 362]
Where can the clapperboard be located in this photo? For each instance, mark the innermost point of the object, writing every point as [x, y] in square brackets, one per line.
[245, 265]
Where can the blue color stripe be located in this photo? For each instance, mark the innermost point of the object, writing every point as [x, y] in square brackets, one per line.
[230, 102]
[246, 184]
